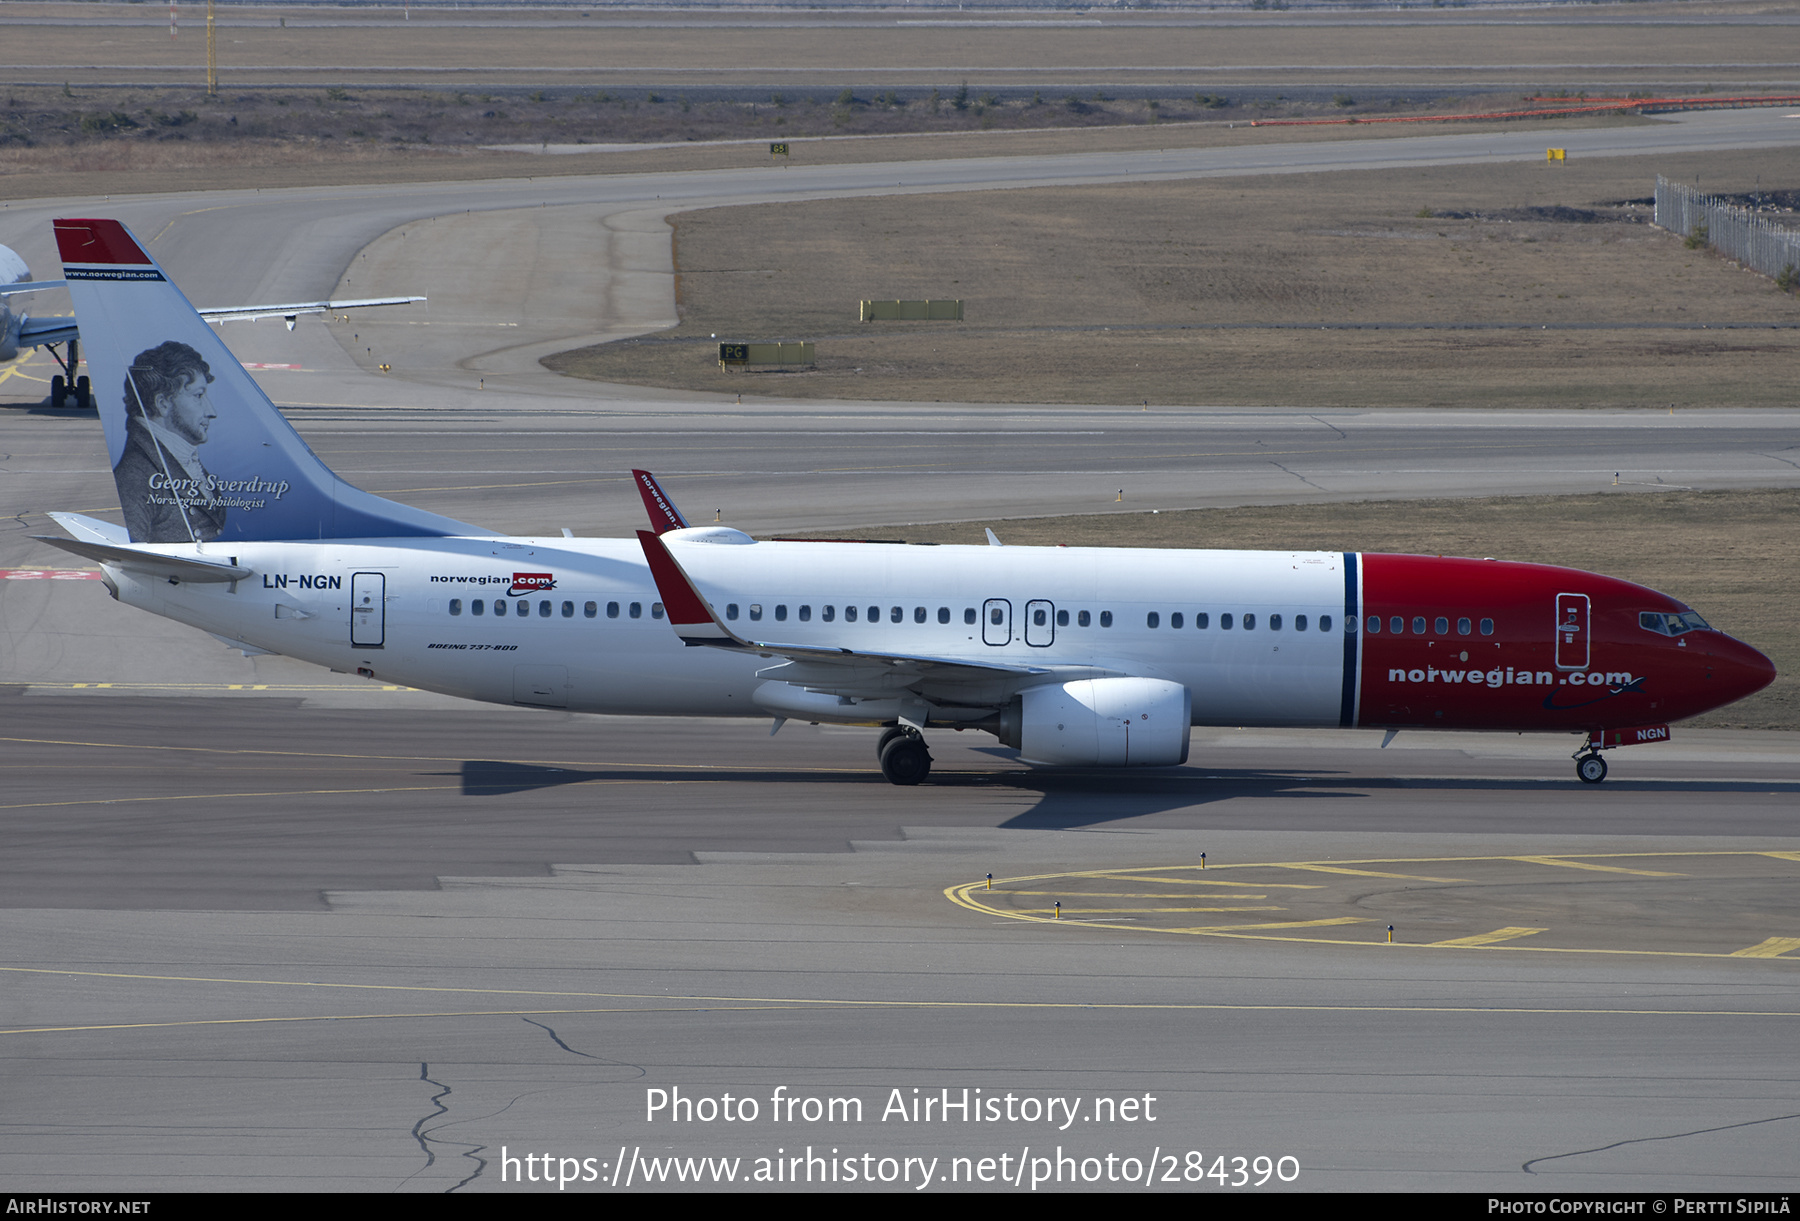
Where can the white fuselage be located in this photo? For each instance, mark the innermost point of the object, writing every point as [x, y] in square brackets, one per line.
[577, 624]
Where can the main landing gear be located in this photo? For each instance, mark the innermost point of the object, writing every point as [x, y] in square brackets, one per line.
[1589, 766]
[66, 384]
[904, 759]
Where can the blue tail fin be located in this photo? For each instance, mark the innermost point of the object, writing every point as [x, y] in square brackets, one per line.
[198, 452]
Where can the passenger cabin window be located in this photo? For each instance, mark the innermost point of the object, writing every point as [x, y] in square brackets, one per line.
[1463, 627]
[499, 607]
[1105, 618]
[827, 613]
[1374, 623]
[590, 609]
[1152, 619]
[1062, 618]
[544, 608]
[1083, 619]
[612, 610]
[1418, 625]
[656, 610]
[918, 614]
[1441, 626]
[969, 615]
[896, 614]
[1225, 622]
[477, 606]
[1175, 619]
[1396, 625]
[637, 610]
[1202, 620]
[456, 606]
[805, 614]
[731, 610]
[1274, 623]
[781, 612]
[568, 610]
[1249, 623]
[849, 614]
[1299, 623]
[755, 612]
[875, 615]
[943, 614]
[1325, 624]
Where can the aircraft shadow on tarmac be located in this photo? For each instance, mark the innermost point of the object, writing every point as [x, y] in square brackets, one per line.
[1070, 799]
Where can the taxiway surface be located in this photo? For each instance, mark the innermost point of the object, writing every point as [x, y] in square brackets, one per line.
[341, 937]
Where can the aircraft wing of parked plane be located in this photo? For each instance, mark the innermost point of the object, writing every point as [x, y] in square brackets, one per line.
[21, 332]
[1076, 657]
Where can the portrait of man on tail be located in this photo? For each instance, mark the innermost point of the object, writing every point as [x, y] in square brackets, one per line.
[165, 490]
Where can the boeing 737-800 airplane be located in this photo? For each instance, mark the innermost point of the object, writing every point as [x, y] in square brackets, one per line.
[1082, 657]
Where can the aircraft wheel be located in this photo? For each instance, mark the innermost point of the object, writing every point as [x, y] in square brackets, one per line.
[1591, 769]
[887, 736]
[906, 761]
[84, 397]
[59, 390]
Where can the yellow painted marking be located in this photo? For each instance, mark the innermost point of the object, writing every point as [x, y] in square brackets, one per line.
[1137, 877]
[1120, 894]
[1368, 873]
[1493, 938]
[1241, 928]
[1783, 856]
[1568, 864]
[1102, 911]
[1774, 947]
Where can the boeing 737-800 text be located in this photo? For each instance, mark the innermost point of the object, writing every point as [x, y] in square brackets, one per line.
[1080, 657]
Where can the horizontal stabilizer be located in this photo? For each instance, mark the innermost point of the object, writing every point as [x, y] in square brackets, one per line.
[29, 286]
[92, 529]
[151, 563]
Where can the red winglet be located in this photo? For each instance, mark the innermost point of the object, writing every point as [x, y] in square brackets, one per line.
[664, 516]
[687, 610]
[98, 241]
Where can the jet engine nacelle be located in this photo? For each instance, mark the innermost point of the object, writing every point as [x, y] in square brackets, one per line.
[1101, 722]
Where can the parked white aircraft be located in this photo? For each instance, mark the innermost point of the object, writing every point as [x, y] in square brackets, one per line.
[1074, 656]
[21, 332]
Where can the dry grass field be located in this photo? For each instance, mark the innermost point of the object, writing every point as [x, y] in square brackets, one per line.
[1728, 554]
[1216, 292]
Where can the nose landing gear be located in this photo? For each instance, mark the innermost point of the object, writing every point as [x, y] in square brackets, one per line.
[904, 758]
[1590, 767]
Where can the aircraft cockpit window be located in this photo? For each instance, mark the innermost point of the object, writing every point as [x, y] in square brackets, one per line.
[1668, 624]
[656, 610]
[456, 606]
[636, 610]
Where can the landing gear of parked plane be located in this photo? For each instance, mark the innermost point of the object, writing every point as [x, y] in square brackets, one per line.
[1590, 767]
[904, 759]
[62, 387]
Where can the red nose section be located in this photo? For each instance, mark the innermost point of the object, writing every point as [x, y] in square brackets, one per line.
[1739, 670]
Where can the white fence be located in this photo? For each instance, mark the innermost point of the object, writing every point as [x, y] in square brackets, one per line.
[1752, 239]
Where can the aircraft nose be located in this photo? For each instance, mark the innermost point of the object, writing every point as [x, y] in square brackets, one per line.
[1740, 669]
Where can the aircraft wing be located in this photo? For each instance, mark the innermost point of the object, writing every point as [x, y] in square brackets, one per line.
[28, 286]
[291, 311]
[35, 332]
[841, 671]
